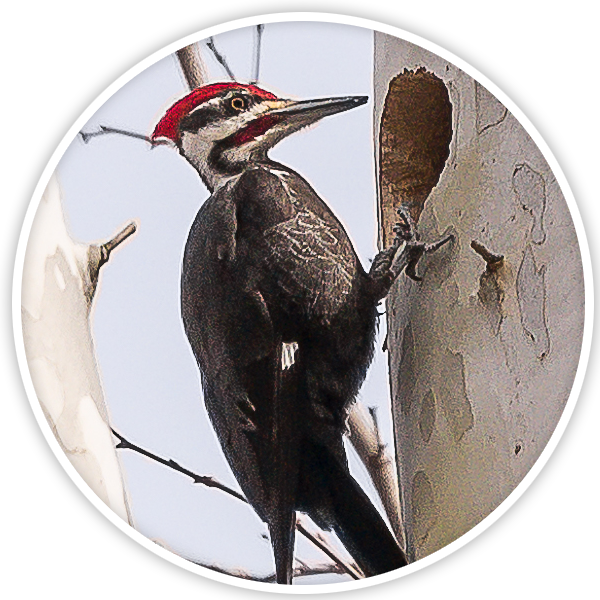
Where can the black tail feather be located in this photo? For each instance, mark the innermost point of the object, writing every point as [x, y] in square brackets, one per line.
[282, 530]
[283, 473]
[333, 498]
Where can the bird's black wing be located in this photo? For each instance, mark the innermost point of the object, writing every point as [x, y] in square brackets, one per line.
[302, 245]
[304, 250]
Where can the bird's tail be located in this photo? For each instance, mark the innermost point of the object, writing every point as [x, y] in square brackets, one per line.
[339, 502]
[283, 475]
[363, 531]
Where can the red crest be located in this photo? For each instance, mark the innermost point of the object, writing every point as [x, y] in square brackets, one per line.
[168, 126]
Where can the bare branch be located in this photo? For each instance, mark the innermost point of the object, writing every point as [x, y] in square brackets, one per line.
[493, 261]
[192, 66]
[366, 439]
[320, 542]
[127, 231]
[300, 570]
[98, 256]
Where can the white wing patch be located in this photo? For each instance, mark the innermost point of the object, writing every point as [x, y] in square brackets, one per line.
[288, 355]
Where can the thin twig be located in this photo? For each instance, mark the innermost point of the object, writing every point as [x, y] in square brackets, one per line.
[301, 570]
[328, 551]
[257, 48]
[206, 480]
[105, 130]
[209, 481]
[220, 58]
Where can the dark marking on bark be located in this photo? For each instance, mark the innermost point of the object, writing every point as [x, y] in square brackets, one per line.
[453, 394]
[424, 509]
[530, 189]
[457, 110]
[518, 447]
[531, 293]
[406, 370]
[491, 296]
[491, 291]
[489, 110]
[427, 418]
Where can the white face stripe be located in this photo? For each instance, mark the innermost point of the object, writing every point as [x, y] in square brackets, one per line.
[197, 146]
[212, 102]
[226, 127]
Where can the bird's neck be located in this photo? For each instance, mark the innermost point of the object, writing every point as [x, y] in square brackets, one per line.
[217, 163]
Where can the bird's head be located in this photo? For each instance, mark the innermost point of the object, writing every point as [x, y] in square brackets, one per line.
[222, 128]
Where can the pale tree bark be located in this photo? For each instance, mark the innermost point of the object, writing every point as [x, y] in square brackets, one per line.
[60, 279]
[483, 352]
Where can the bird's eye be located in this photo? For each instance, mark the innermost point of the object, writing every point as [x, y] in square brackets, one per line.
[238, 103]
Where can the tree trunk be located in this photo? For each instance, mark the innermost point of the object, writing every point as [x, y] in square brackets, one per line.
[59, 283]
[483, 352]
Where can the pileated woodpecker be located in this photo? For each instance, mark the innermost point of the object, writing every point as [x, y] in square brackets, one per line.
[281, 316]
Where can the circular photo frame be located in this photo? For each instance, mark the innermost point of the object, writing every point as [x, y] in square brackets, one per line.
[303, 299]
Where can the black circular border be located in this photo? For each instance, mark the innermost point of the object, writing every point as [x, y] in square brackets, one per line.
[500, 77]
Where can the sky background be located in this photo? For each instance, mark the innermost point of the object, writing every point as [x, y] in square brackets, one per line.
[540, 44]
[149, 374]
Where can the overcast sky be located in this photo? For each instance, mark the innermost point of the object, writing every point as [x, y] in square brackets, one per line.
[149, 374]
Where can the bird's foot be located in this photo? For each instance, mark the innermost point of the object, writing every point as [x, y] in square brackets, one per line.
[415, 250]
[380, 273]
[403, 255]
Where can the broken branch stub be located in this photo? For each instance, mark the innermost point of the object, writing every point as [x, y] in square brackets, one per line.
[192, 66]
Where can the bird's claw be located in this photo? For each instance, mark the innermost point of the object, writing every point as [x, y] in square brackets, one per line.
[405, 229]
[403, 255]
[416, 250]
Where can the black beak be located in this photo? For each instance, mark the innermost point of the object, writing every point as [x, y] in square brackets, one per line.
[313, 110]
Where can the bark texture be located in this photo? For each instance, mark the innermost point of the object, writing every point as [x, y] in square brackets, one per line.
[483, 351]
[59, 283]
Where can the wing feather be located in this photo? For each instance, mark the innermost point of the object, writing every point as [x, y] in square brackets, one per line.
[308, 256]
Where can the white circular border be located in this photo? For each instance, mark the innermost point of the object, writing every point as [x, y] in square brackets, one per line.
[326, 18]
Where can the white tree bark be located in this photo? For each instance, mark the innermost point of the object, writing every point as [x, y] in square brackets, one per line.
[60, 277]
[484, 351]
